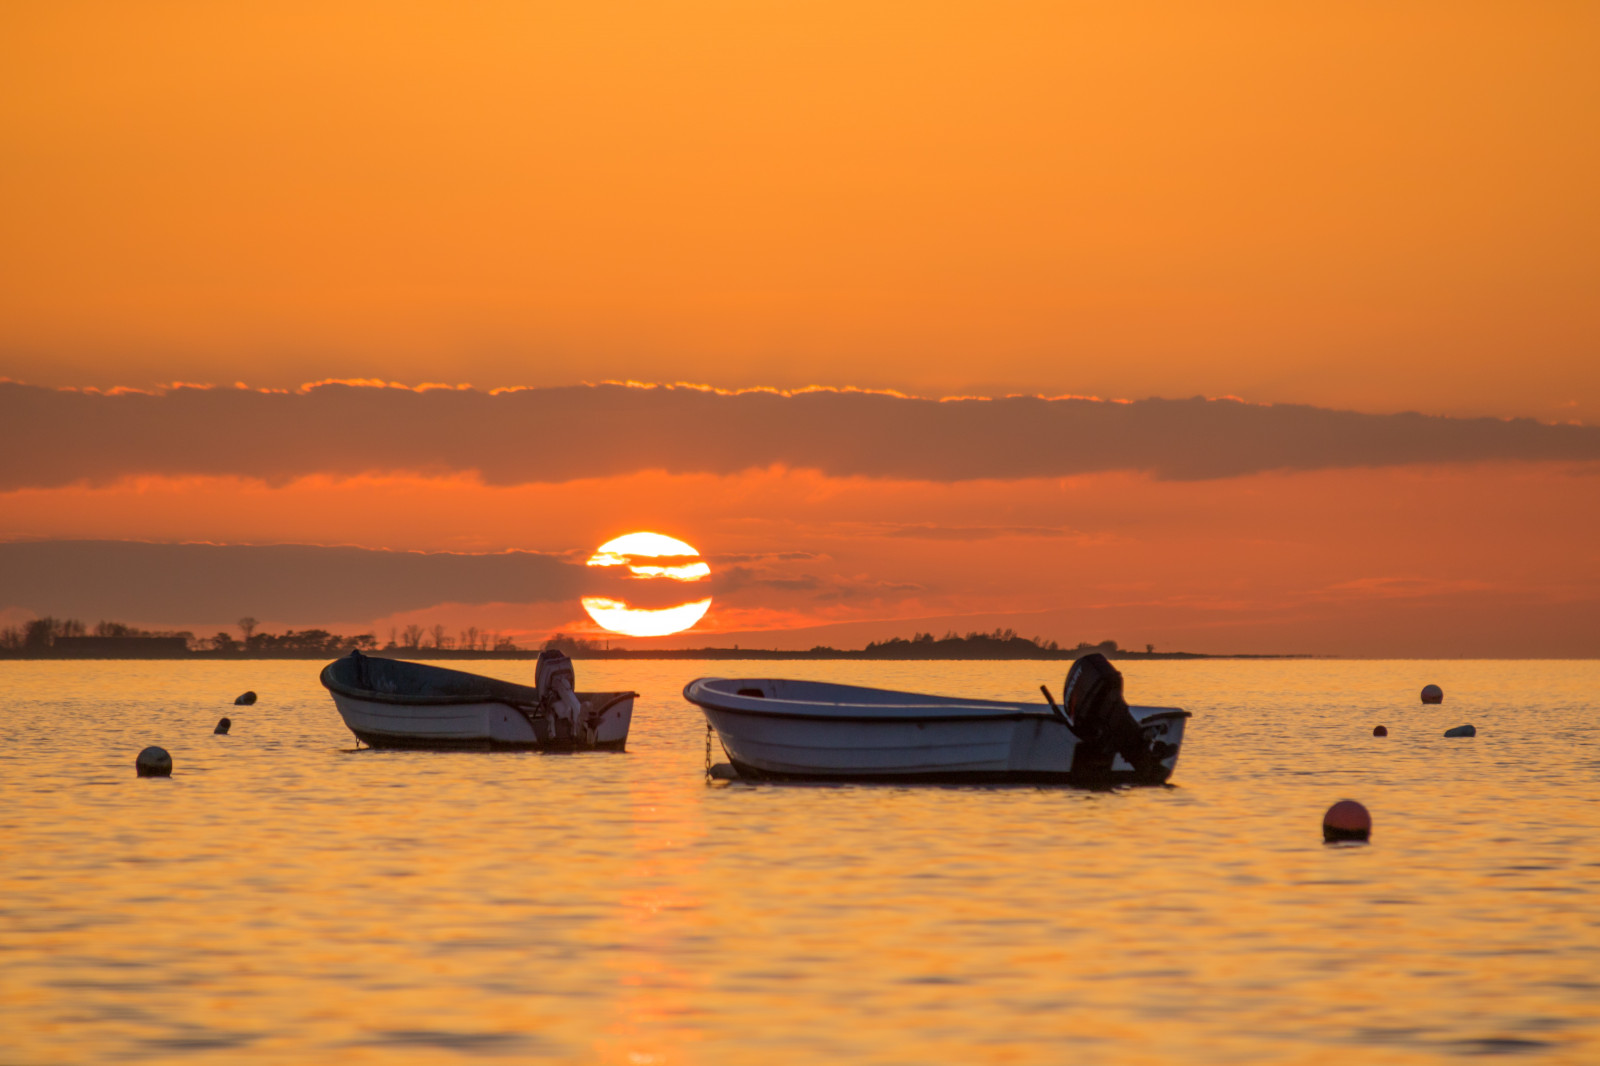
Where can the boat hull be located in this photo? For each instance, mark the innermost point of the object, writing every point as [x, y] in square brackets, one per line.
[393, 703]
[482, 726]
[846, 733]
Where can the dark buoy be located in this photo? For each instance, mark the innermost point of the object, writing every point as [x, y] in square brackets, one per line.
[153, 762]
[723, 771]
[1380, 730]
[247, 698]
[1346, 820]
[1461, 731]
[1432, 694]
[223, 725]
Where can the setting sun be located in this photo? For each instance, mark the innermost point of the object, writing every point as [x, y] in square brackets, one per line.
[648, 556]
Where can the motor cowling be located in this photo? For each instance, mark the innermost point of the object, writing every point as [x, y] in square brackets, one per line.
[1099, 715]
[553, 664]
[555, 681]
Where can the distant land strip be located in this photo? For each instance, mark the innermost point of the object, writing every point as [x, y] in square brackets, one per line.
[635, 653]
[148, 648]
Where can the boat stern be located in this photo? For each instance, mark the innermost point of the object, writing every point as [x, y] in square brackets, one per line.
[1162, 728]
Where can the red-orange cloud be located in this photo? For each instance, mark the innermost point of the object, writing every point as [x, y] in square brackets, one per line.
[1482, 560]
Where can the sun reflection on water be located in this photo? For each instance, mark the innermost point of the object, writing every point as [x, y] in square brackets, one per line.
[284, 899]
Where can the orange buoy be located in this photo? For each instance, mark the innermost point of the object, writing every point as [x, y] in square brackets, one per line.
[1380, 730]
[1346, 820]
[1432, 694]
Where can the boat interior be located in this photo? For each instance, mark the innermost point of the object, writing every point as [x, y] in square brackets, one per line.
[366, 675]
[825, 692]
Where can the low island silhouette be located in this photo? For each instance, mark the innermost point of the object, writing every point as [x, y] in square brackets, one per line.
[52, 638]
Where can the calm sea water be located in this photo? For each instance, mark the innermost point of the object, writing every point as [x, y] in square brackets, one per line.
[285, 899]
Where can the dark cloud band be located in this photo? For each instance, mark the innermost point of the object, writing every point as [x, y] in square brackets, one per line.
[177, 584]
[51, 437]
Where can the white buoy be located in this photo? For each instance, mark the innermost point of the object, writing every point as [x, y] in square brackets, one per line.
[153, 762]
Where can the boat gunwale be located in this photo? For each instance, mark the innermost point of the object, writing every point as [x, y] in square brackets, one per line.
[903, 719]
[949, 709]
[1158, 714]
[408, 700]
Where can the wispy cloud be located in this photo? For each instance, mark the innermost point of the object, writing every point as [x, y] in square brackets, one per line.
[52, 437]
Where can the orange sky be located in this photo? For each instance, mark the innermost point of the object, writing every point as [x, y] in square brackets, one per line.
[1358, 206]
[1369, 206]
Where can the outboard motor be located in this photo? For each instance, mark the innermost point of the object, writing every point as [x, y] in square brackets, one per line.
[553, 664]
[555, 680]
[1101, 719]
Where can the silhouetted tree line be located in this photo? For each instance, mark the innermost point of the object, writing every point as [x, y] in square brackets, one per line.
[572, 645]
[39, 635]
[437, 637]
[292, 641]
[1000, 644]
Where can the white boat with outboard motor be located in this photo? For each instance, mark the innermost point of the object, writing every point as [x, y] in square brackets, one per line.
[395, 703]
[781, 729]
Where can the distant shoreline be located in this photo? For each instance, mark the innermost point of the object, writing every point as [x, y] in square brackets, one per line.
[821, 655]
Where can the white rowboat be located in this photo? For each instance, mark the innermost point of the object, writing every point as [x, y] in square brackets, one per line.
[393, 703]
[813, 730]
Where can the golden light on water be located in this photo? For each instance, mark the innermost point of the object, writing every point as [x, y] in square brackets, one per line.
[649, 556]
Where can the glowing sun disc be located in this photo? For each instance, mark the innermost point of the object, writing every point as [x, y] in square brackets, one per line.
[627, 549]
[639, 622]
[679, 562]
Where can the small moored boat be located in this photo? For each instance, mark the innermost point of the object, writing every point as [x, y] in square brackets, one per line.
[393, 703]
[812, 730]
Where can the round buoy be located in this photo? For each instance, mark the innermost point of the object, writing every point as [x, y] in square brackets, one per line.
[153, 762]
[245, 699]
[1461, 731]
[1346, 820]
[223, 725]
[1380, 730]
[1432, 694]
